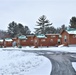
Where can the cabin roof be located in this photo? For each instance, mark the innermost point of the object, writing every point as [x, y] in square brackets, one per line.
[52, 34]
[22, 37]
[8, 39]
[71, 31]
[30, 35]
[1, 40]
[41, 36]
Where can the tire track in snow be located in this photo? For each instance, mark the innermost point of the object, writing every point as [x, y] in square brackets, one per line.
[61, 62]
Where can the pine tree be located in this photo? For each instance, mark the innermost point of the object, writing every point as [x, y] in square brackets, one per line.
[73, 22]
[42, 24]
[15, 29]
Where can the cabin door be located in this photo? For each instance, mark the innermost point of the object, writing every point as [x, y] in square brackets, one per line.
[36, 43]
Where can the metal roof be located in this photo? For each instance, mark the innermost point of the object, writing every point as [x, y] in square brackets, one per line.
[1, 40]
[41, 36]
[71, 31]
[8, 39]
[22, 37]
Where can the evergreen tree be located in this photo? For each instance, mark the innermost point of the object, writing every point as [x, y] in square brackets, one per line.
[26, 30]
[63, 27]
[15, 29]
[12, 29]
[42, 24]
[3, 34]
[50, 30]
[73, 22]
[58, 30]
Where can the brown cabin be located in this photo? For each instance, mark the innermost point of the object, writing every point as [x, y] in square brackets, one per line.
[40, 40]
[53, 39]
[47, 40]
[1, 42]
[30, 40]
[25, 40]
[8, 42]
[69, 37]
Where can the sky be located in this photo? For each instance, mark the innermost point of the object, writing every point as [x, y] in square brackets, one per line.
[27, 12]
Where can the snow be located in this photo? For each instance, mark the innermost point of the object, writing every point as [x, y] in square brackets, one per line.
[1, 40]
[8, 39]
[74, 65]
[13, 61]
[41, 36]
[22, 37]
[60, 48]
[72, 32]
[61, 45]
[21, 63]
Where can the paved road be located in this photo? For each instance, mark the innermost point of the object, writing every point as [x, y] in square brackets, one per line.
[61, 62]
[61, 65]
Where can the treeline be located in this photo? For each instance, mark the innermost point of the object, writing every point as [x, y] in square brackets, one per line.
[43, 26]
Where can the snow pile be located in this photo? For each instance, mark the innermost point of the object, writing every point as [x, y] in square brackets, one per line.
[62, 49]
[74, 65]
[61, 45]
[21, 63]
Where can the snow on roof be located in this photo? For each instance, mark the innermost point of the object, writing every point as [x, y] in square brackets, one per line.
[52, 34]
[22, 37]
[1, 40]
[8, 39]
[71, 31]
[41, 36]
[30, 35]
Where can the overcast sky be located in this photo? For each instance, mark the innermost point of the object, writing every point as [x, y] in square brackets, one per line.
[27, 12]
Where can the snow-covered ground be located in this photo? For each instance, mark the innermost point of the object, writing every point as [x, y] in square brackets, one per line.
[21, 63]
[74, 65]
[60, 48]
[15, 62]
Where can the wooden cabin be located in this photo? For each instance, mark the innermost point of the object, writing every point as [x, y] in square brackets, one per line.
[1, 42]
[30, 40]
[8, 42]
[69, 36]
[25, 40]
[21, 40]
[53, 39]
[40, 40]
[47, 40]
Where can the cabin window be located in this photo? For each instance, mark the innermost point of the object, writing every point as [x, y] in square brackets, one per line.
[65, 38]
[53, 36]
[1, 41]
[31, 40]
[51, 40]
[24, 40]
[58, 41]
[43, 40]
[36, 40]
[60, 36]
[74, 36]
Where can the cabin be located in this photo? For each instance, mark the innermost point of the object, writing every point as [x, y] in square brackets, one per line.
[21, 40]
[47, 40]
[8, 42]
[66, 37]
[25, 40]
[69, 37]
[40, 40]
[1, 42]
[53, 39]
[30, 40]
